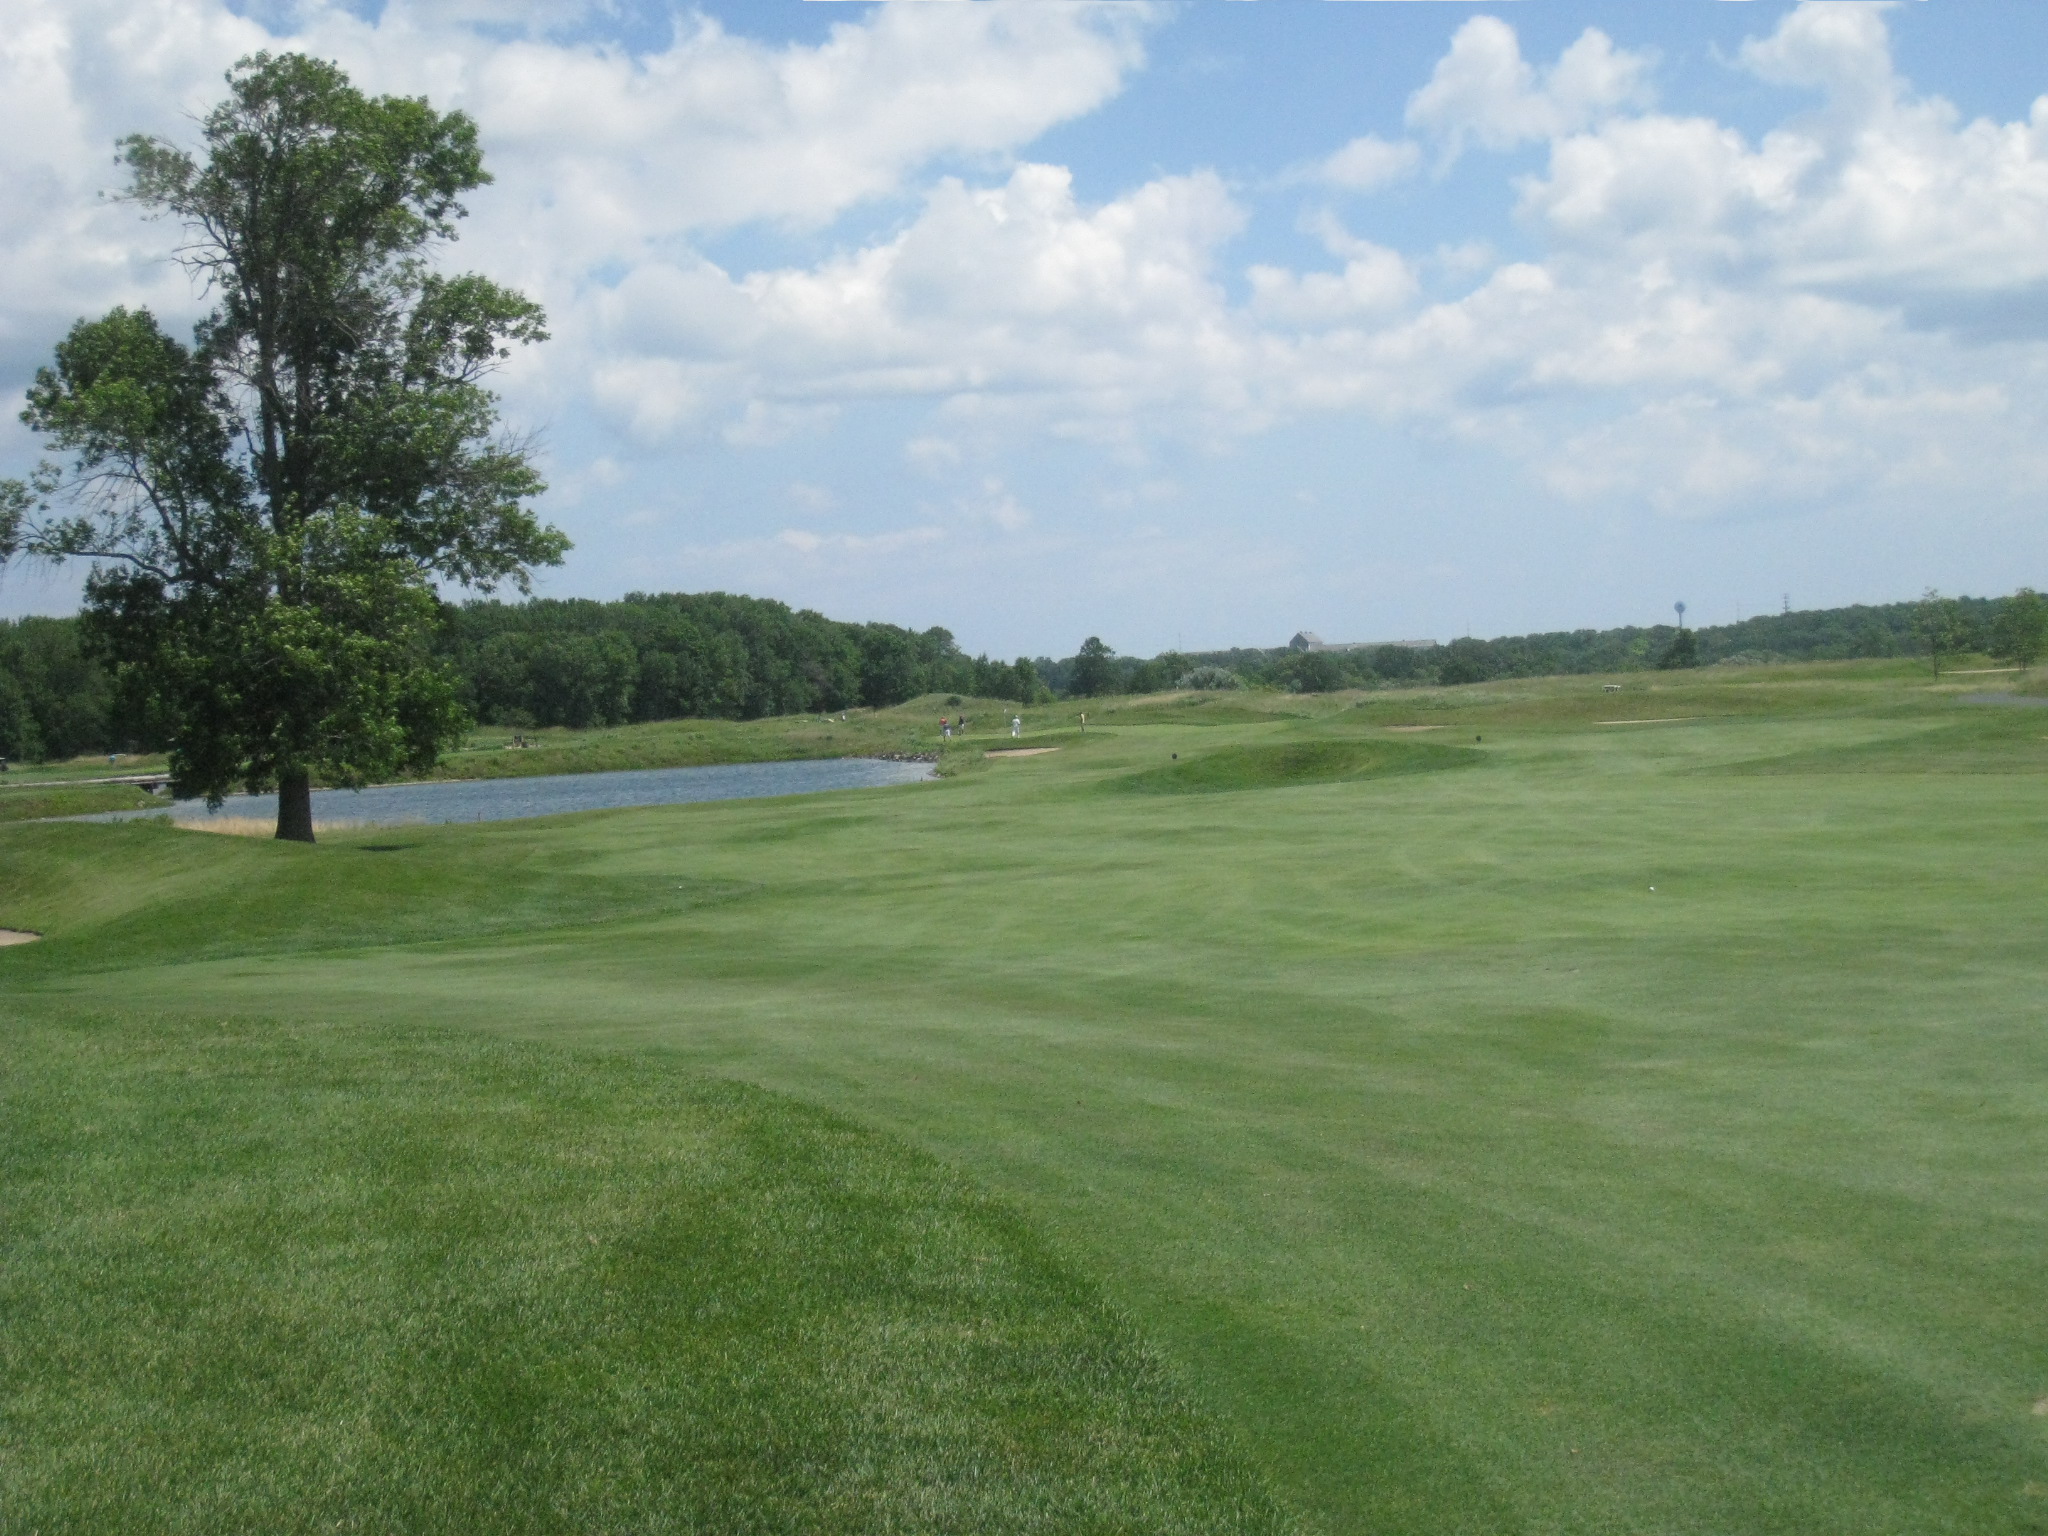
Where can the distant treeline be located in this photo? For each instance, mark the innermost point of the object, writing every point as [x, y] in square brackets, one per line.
[707, 655]
[577, 663]
[1823, 634]
[716, 656]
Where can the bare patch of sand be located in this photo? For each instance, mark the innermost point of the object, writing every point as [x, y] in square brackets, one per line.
[1660, 720]
[17, 936]
[1021, 752]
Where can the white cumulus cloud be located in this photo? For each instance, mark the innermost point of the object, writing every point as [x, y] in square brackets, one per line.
[1484, 92]
[1370, 162]
[1853, 303]
[1014, 289]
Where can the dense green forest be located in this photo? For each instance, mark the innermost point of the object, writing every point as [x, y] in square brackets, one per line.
[717, 656]
[563, 662]
[55, 700]
[704, 656]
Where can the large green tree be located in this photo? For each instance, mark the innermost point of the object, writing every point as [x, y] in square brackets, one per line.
[1094, 670]
[1941, 625]
[1312, 672]
[2019, 630]
[269, 511]
[1682, 652]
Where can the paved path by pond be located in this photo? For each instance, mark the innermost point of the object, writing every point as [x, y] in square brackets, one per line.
[553, 794]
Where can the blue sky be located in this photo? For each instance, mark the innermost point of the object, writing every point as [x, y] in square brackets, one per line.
[1191, 324]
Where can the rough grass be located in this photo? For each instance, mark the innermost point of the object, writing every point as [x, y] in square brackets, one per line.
[1202, 709]
[268, 1276]
[71, 800]
[1992, 739]
[1278, 765]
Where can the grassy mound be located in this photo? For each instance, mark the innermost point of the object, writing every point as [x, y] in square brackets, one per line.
[1993, 741]
[120, 894]
[1221, 708]
[286, 1278]
[1275, 765]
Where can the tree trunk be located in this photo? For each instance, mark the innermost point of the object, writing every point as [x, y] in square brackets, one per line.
[295, 806]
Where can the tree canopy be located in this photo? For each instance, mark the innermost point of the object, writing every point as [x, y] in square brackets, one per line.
[1941, 625]
[1093, 670]
[2019, 630]
[1682, 652]
[268, 510]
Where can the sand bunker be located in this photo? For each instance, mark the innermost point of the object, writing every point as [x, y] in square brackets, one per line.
[17, 936]
[1021, 752]
[1660, 720]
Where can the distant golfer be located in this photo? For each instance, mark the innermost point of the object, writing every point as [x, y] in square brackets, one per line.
[1016, 725]
[946, 726]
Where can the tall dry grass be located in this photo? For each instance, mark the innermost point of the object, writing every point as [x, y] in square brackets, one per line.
[262, 826]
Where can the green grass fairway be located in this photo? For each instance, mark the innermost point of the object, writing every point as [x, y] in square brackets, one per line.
[261, 1276]
[1641, 1128]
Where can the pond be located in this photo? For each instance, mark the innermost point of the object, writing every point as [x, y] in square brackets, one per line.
[552, 794]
